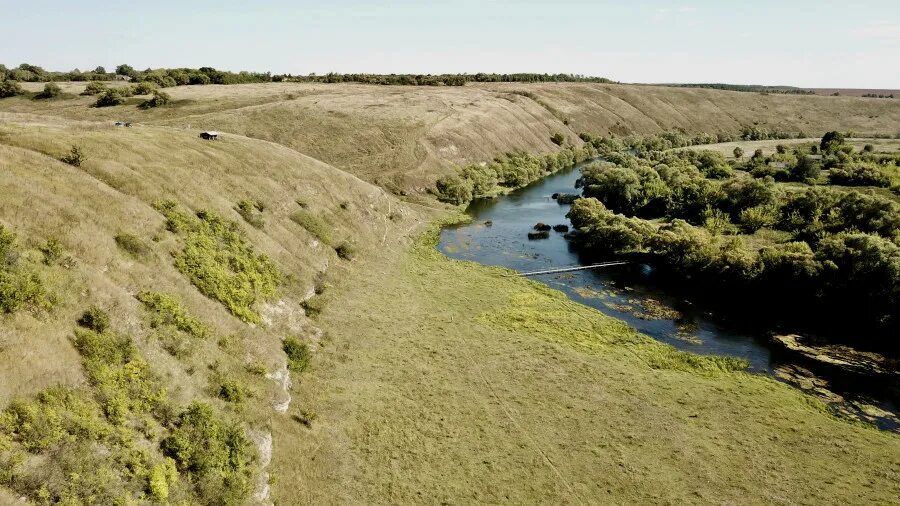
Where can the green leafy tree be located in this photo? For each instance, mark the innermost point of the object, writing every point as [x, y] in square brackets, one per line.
[831, 141]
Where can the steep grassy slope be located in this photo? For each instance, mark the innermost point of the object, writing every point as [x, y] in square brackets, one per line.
[89, 209]
[403, 137]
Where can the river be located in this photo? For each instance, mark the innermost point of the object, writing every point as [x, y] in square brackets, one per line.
[497, 236]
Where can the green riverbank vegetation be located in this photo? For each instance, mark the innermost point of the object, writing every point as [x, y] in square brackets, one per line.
[792, 251]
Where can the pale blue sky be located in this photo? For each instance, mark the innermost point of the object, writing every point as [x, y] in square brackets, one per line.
[804, 43]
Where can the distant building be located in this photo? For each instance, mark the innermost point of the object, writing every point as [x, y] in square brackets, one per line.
[778, 165]
[120, 77]
[209, 136]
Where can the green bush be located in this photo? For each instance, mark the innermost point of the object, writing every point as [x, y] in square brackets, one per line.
[251, 212]
[230, 390]
[159, 99]
[75, 157]
[145, 88]
[51, 90]
[165, 309]
[9, 88]
[52, 251]
[110, 97]
[558, 138]
[313, 306]
[220, 263]
[214, 455]
[313, 224]
[755, 218]
[94, 88]
[94, 319]
[298, 354]
[133, 245]
[859, 174]
[454, 189]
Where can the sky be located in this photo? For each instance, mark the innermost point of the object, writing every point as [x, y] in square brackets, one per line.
[802, 43]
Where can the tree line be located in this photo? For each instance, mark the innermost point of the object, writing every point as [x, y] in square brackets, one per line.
[166, 77]
[834, 260]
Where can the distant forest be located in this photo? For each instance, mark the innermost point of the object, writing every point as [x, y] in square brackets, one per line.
[208, 75]
[756, 88]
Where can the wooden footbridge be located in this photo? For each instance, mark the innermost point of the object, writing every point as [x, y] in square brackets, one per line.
[573, 268]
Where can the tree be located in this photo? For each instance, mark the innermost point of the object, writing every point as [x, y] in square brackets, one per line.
[126, 70]
[454, 189]
[738, 152]
[806, 169]
[99, 70]
[831, 141]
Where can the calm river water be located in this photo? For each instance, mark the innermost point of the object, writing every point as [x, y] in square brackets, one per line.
[627, 292]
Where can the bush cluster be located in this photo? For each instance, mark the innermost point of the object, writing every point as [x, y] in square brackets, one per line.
[165, 309]
[19, 287]
[509, 171]
[219, 261]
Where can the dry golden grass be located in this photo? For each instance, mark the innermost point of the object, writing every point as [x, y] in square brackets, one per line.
[403, 137]
[446, 382]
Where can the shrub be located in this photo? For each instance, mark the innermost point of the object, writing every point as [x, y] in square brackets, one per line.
[133, 245]
[51, 90]
[859, 174]
[94, 319]
[298, 354]
[346, 250]
[159, 98]
[52, 251]
[250, 211]
[314, 225]
[806, 169]
[219, 262]
[165, 309]
[145, 88]
[94, 88]
[214, 455]
[230, 390]
[558, 138]
[9, 88]
[110, 98]
[75, 157]
[313, 306]
[454, 189]
[738, 152]
[755, 218]
[831, 141]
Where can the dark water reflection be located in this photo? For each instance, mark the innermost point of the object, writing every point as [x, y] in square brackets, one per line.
[624, 292]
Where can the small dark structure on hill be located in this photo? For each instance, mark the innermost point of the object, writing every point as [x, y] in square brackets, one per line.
[209, 136]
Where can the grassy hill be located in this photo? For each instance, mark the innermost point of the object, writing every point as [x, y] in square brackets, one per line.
[429, 380]
[402, 137]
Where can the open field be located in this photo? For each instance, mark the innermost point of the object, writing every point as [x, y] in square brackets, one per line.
[443, 381]
[431, 380]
